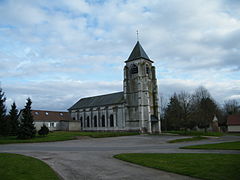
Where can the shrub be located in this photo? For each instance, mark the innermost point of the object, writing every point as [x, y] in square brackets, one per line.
[43, 131]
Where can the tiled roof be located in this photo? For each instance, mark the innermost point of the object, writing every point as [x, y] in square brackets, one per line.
[41, 115]
[97, 101]
[234, 119]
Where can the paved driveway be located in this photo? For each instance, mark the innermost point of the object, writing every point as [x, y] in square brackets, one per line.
[90, 158]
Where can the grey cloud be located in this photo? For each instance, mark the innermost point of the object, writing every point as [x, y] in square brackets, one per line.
[60, 95]
[56, 95]
[187, 39]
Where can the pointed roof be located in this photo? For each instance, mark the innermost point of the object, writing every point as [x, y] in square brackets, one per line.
[138, 52]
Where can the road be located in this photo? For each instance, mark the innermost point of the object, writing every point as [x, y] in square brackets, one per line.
[91, 158]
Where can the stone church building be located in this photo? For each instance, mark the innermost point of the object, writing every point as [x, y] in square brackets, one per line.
[136, 108]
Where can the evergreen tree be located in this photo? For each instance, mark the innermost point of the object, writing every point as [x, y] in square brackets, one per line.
[27, 129]
[4, 129]
[172, 113]
[13, 119]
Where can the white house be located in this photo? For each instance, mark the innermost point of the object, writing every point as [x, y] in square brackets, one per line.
[54, 120]
[233, 123]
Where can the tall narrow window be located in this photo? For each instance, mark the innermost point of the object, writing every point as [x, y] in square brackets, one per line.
[88, 123]
[103, 121]
[81, 121]
[134, 69]
[111, 121]
[147, 69]
[95, 121]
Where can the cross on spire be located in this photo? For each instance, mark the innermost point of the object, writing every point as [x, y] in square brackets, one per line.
[137, 35]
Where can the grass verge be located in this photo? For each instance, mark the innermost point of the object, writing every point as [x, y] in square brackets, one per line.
[221, 146]
[196, 138]
[204, 166]
[195, 133]
[233, 134]
[19, 167]
[63, 136]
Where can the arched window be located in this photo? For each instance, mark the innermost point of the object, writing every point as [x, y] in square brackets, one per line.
[111, 121]
[134, 69]
[103, 121]
[88, 123]
[147, 69]
[95, 121]
[81, 122]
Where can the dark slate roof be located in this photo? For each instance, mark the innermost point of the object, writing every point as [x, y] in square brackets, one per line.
[138, 52]
[96, 101]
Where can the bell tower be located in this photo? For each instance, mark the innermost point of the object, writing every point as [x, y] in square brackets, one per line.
[141, 92]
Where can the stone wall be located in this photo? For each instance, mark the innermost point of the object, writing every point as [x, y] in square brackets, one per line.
[141, 94]
[101, 118]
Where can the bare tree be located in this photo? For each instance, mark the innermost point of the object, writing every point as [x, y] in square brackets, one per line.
[203, 107]
[163, 106]
[231, 107]
[178, 112]
[186, 119]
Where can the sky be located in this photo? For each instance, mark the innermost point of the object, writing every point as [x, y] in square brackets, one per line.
[56, 52]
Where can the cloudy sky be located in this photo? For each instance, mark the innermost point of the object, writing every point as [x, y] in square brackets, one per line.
[56, 52]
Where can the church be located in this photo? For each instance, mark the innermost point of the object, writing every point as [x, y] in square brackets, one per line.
[136, 108]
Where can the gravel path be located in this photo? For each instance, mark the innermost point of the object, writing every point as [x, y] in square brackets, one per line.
[92, 159]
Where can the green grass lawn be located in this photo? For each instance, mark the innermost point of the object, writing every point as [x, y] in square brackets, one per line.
[223, 146]
[196, 138]
[195, 133]
[204, 166]
[19, 167]
[63, 136]
[233, 134]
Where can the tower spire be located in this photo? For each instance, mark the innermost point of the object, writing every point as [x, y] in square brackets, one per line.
[138, 53]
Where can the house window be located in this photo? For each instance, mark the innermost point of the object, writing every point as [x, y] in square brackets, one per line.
[95, 121]
[61, 114]
[36, 113]
[111, 121]
[134, 69]
[103, 121]
[46, 113]
[52, 124]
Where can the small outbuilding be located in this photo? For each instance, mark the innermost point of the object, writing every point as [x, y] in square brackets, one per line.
[233, 123]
